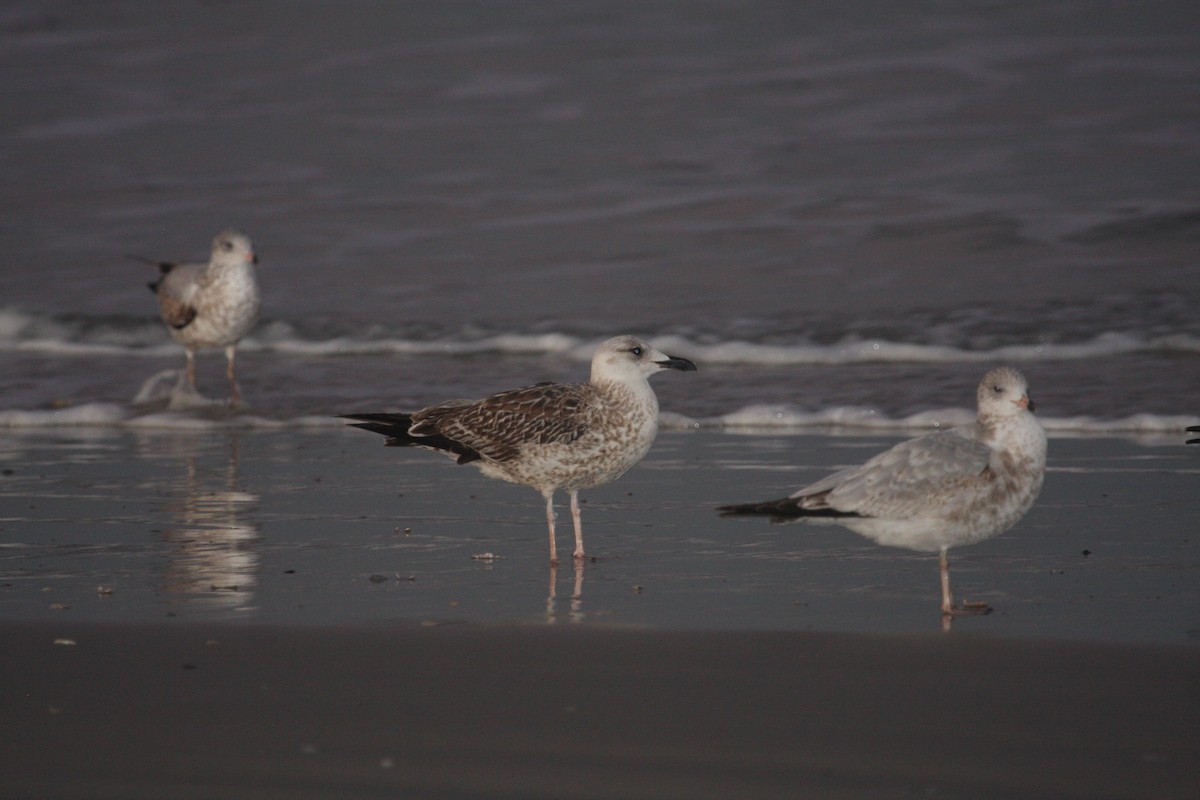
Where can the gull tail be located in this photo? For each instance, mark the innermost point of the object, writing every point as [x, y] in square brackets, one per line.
[164, 267]
[779, 510]
[396, 428]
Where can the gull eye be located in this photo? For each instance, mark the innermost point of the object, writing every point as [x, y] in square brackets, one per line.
[637, 351]
[226, 246]
[998, 389]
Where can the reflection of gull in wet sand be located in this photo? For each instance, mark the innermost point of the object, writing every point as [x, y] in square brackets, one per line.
[549, 436]
[211, 305]
[214, 559]
[942, 490]
[575, 609]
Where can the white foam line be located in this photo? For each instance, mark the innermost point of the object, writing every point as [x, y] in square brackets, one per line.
[878, 350]
[766, 418]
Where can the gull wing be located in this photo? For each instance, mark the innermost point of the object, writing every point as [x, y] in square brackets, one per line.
[499, 426]
[900, 482]
[176, 290]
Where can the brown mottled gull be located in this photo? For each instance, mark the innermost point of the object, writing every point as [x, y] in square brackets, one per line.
[211, 305]
[942, 490]
[549, 436]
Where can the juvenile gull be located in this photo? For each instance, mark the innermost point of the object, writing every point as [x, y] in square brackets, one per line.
[549, 436]
[211, 305]
[945, 489]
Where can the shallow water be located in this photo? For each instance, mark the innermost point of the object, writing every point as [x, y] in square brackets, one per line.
[329, 528]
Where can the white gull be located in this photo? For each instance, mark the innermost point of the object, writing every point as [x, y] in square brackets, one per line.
[942, 490]
[549, 436]
[211, 305]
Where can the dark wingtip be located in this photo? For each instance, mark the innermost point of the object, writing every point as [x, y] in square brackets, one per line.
[783, 508]
[163, 266]
[389, 419]
[389, 425]
[395, 427]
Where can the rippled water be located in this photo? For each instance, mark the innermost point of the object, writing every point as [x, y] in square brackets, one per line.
[828, 208]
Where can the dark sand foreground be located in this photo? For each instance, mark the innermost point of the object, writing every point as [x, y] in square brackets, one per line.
[201, 711]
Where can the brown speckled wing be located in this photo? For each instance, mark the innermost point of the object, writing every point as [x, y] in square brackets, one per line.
[500, 425]
[175, 312]
[178, 281]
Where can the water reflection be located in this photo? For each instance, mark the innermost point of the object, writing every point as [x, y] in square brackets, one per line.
[213, 560]
[574, 609]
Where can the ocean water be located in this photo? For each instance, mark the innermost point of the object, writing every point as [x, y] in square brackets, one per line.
[844, 213]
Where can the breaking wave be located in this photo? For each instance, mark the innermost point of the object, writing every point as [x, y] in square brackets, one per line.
[144, 337]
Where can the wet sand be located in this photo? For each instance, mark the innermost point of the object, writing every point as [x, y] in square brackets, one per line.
[497, 711]
[326, 527]
[304, 614]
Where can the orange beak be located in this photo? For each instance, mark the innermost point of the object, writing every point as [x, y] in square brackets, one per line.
[1025, 402]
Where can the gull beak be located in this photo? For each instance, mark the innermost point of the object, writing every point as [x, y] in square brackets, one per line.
[254, 258]
[674, 362]
[1026, 403]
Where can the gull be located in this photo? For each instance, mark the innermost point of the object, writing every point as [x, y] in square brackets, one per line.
[549, 436]
[954, 487]
[211, 305]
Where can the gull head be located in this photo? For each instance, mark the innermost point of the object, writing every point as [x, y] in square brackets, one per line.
[628, 358]
[1003, 392]
[231, 247]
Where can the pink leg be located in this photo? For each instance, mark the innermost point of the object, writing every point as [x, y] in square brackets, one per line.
[577, 518]
[948, 607]
[550, 515]
[947, 596]
[235, 396]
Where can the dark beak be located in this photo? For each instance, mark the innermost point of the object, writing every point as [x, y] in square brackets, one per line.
[674, 362]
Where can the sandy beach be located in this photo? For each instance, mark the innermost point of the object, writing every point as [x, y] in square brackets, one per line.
[309, 616]
[479, 711]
